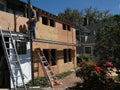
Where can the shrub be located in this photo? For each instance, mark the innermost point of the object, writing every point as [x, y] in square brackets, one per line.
[43, 81]
[95, 75]
[40, 81]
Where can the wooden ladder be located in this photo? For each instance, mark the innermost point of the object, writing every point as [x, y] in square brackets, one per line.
[47, 69]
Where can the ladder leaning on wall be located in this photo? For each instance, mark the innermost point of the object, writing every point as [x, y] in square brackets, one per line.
[15, 61]
[47, 69]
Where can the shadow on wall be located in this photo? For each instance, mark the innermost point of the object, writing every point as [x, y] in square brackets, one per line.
[23, 29]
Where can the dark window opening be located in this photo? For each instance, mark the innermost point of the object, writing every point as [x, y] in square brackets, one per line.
[37, 16]
[65, 55]
[64, 27]
[68, 27]
[53, 56]
[46, 53]
[83, 39]
[52, 23]
[69, 55]
[88, 50]
[44, 20]
[21, 47]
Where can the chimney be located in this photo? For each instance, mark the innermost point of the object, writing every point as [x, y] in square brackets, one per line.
[86, 21]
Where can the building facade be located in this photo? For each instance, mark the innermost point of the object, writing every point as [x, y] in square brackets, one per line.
[56, 37]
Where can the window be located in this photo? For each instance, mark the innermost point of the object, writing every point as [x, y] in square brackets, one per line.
[1, 6]
[64, 27]
[82, 39]
[46, 53]
[44, 20]
[88, 50]
[65, 55]
[69, 55]
[53, 56]
[52, 23]
[21, 47]
[68, 27]
[50, 55]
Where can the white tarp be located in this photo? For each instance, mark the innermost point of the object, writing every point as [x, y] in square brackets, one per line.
[25, 62]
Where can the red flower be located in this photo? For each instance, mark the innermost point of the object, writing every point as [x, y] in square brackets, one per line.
[83, 62]
[98, 69]
[108, 64]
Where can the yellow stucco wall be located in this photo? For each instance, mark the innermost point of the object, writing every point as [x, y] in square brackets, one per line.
[47, 33]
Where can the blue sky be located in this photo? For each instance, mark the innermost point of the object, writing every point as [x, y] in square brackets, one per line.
[57, 6]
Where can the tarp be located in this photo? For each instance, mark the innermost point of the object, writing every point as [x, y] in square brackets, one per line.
[25, 62]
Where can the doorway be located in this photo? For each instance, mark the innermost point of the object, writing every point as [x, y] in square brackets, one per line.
[4, 71]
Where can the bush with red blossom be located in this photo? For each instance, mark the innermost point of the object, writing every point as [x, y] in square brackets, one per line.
[95, 75]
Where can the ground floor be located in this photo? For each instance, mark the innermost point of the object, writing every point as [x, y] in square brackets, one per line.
[61, 57]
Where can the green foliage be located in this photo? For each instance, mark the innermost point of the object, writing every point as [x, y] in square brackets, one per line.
[117, 78]
[63, 75]
[72, 15]
[107, 40]
[95, 76]
[43, 81]
[92, 14]
[39, 81]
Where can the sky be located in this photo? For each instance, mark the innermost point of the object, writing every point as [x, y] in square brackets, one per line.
[57, 6]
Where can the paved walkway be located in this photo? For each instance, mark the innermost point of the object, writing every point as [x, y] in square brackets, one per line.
[68, 81]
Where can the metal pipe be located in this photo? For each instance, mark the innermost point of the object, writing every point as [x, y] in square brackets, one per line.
[30, 39]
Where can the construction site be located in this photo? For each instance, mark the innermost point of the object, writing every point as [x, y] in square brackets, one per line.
[52, 51]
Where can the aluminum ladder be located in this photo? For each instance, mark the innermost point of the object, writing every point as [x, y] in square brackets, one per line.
[47, 69]
[15, 61]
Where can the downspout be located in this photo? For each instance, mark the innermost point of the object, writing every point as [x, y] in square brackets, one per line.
[72, 50]
[15, 23]
[30, 39]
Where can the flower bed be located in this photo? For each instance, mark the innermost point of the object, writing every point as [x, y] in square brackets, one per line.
[96, 75]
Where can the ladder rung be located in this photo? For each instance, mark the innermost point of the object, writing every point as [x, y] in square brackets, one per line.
[43, 56]
[14, 62]
[10, 48]
[17, 76]
[52, 78]
[8, 42]
[44, 61]
[12, 55]
[17, 69]
[50, 71]
[6, 36]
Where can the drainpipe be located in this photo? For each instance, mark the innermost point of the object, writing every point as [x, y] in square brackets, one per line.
[30, 39]
[15, 23]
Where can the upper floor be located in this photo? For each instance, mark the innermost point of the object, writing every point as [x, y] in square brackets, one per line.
[14, 15]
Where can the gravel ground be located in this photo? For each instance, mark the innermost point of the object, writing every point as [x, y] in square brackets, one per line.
[68, 81]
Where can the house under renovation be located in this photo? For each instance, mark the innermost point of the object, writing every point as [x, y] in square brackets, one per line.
[55, 38]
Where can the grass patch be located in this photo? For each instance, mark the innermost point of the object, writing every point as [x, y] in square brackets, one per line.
[64, 74]
[117, 78]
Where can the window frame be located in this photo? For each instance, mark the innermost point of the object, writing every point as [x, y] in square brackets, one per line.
[22, 48]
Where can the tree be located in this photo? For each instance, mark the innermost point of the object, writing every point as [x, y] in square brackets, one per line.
[73, 15]
[93, 15]
[107, 39]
